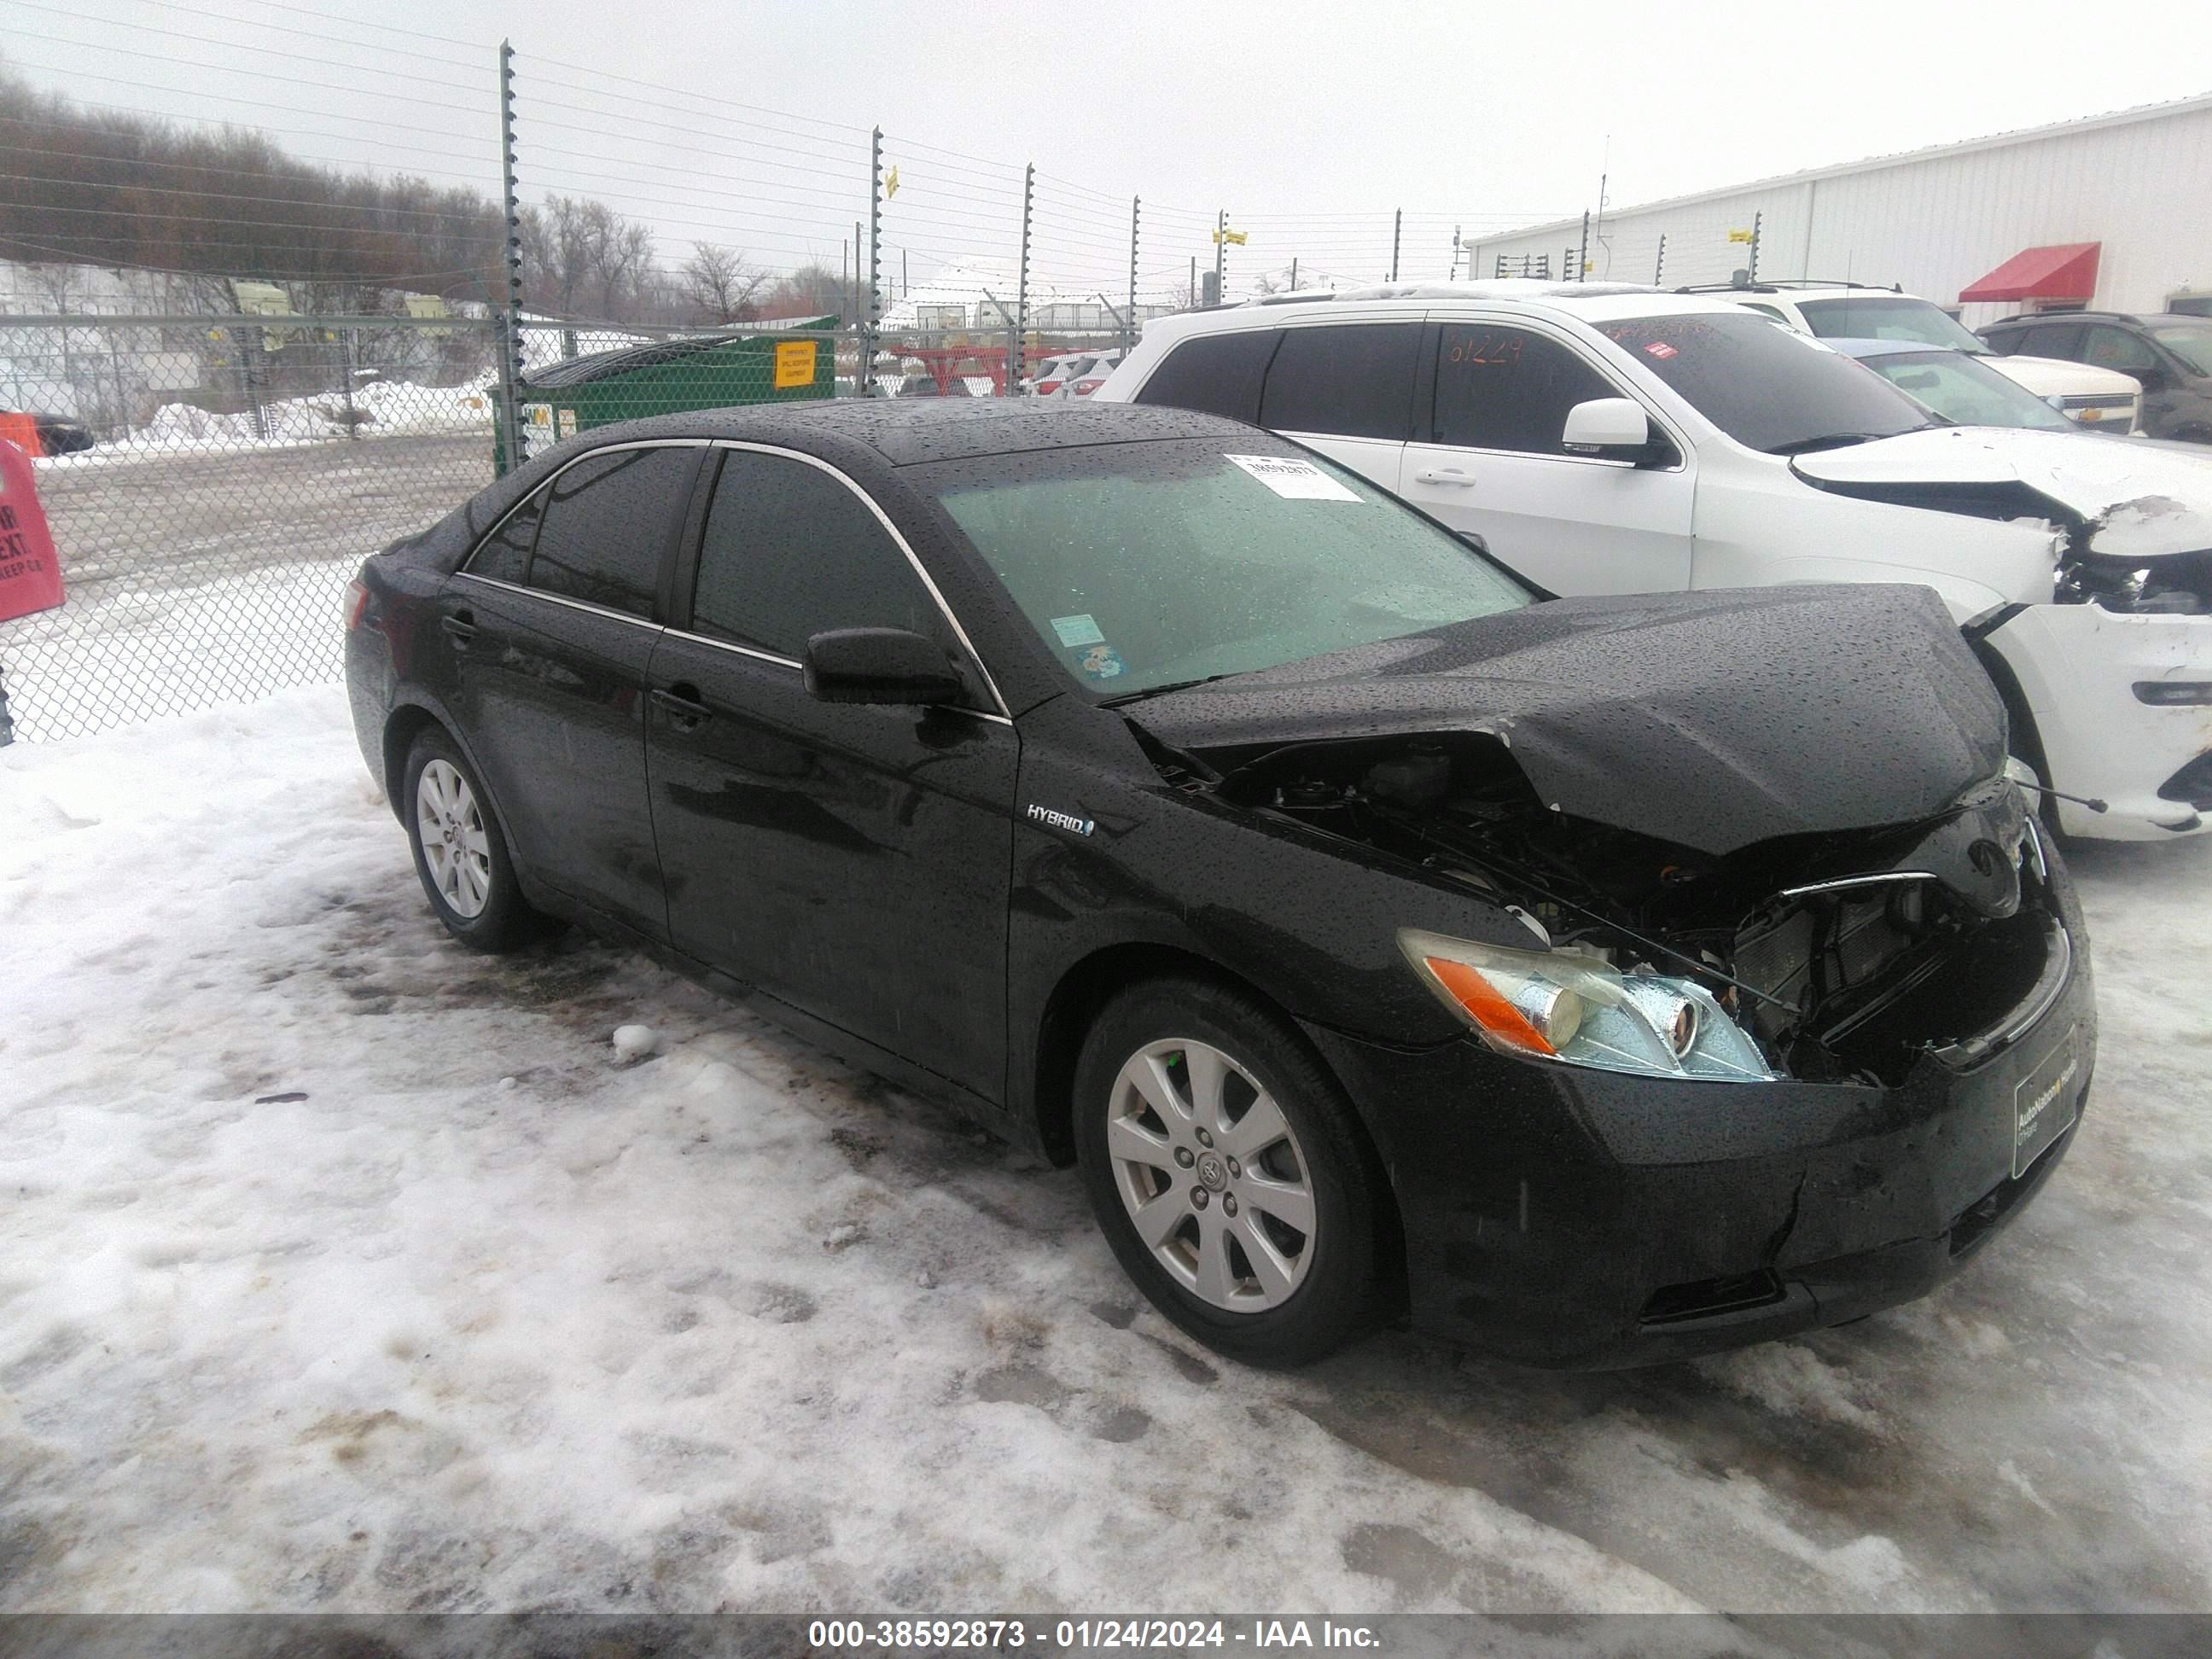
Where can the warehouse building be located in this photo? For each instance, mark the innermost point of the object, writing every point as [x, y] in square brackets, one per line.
[2108, 212]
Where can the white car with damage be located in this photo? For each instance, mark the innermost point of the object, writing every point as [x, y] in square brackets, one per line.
[1607, 439]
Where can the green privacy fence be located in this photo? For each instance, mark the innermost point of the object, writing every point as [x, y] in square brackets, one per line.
[718, 370]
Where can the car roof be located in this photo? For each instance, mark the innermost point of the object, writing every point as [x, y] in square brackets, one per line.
[903, 432]
[1592, 302]
[2023, 319]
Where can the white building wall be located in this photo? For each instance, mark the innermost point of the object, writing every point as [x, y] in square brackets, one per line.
[1938, 220]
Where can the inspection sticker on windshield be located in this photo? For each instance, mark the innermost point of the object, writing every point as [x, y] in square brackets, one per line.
[1659, 349]
[1076, 630]
[1293, 479]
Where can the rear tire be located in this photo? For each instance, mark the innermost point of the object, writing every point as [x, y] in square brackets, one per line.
[460, 849]
[1229, 1173]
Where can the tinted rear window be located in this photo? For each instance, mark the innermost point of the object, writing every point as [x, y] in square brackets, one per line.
[608, 520]
[1215, 374]
[1354, 380]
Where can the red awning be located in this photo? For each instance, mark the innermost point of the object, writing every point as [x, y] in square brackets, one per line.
[2065, 271]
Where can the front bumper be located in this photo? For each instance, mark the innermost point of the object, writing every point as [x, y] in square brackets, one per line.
[1560, 1216]
[2078, 666]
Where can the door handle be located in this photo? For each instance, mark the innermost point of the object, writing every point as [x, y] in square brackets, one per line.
[1445, 475]
[682, 704]
[461, 625]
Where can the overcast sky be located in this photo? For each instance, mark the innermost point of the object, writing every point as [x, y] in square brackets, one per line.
[1492, 114]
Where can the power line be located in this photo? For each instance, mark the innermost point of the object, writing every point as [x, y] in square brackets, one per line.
[258, 74]
[148, 118]
[351, 22]
[655, 86]
[489, 215]
[226, 97]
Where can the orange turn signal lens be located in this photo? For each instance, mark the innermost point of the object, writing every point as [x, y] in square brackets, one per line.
[1497, 1017]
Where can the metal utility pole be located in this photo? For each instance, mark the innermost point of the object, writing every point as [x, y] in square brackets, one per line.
[1193, 280]
[1659, 265]
[1397, 230]
[1756, 221]
[1136, 212]
[1294, 273]
[1455, 263]
[1015, 364]
[864, 379]
[510, 355]
[1220, 251]
[1581, 259]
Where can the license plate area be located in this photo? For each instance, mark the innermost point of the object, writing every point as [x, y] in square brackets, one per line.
[2043, 1104]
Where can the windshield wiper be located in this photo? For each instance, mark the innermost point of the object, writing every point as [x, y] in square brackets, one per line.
[1837, 441]
[1162, 691]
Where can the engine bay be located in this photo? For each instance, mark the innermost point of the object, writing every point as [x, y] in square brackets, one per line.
[1840, 953]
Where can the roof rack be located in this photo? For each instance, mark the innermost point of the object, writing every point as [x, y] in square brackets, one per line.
[1775, 285]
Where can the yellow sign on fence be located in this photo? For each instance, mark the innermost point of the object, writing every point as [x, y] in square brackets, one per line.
[794, 364]
[1742, 236]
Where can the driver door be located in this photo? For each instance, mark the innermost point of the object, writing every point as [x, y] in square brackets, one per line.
[850, 860]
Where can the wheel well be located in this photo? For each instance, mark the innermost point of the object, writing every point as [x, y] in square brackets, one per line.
[400, 732]
[1086, 987]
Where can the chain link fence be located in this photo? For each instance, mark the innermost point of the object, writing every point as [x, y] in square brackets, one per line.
[211, 483]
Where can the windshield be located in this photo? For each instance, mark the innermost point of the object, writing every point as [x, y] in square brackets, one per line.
[2191, 343]
[1771, 388]
[1889, 317]
[1146, 565]
[1964, 391]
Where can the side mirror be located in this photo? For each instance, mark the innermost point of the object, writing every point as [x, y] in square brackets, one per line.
[879, 665]
[1616, 428]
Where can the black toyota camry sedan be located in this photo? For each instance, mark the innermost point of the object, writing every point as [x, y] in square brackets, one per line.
[1596, 980]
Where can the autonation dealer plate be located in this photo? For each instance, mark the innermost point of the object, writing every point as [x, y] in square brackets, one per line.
[2043, 1104]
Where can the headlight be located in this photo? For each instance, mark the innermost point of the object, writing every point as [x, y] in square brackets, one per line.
[1552, 1005]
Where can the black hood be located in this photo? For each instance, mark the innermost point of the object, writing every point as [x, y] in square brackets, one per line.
[1712, 720]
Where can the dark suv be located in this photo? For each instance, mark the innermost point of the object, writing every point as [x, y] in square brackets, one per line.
[2171, 353]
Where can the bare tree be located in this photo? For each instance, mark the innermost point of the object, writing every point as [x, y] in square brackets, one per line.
[718, 283]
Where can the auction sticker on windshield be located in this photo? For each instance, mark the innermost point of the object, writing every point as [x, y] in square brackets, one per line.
[1293, 479]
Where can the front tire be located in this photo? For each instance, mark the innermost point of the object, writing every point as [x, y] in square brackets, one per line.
[460, 851]
[1228, 1173]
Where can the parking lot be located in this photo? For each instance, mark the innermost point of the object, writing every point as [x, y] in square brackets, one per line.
[197, 574]
[343, 1268]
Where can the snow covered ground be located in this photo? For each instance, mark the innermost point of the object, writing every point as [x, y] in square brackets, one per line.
[340, 1269]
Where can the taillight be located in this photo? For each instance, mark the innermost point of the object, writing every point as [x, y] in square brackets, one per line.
[1046, 388]
[1085, 388]
[357, 603]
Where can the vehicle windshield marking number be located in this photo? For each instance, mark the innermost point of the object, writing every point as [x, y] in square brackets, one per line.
[1078, 630]
[1053, 820]
[1292, 479]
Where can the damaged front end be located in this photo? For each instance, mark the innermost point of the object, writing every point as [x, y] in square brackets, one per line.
[1836, 956]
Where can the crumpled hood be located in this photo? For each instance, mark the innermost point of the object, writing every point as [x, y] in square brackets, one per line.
[1711, 720]
[2139, 500]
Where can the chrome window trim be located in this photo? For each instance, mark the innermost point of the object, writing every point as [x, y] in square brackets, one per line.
[562, 598]
[891, 530]
[499, 522]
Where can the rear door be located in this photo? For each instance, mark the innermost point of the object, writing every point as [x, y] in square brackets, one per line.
[1347, 390]
[852, 861]
[552, 627]
[1487, 456]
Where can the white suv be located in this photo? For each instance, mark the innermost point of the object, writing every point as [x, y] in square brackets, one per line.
[1607, 439]
[2099, 398]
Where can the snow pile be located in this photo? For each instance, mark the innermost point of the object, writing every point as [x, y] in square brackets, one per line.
[343, 1269]
[384, 408]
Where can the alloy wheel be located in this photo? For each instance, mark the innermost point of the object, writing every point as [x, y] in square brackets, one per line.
[1212, 1175]
[454, 842]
